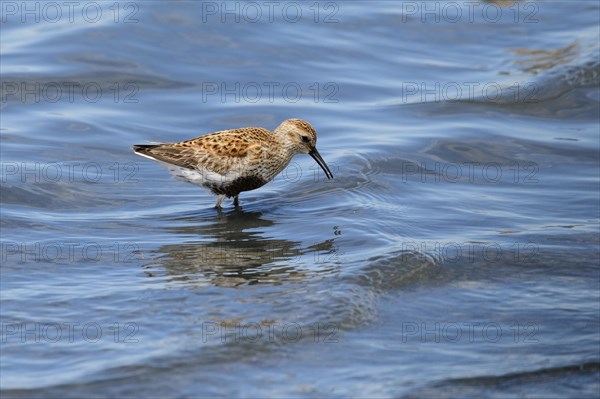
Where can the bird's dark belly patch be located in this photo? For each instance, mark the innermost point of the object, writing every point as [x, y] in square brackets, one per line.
[236, 186]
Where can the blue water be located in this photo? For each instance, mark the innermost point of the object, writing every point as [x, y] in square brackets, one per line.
[455, 254]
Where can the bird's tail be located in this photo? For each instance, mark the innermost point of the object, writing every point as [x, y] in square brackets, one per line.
[144, 150]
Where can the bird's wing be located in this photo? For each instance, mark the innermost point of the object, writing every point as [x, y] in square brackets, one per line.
[220, 152]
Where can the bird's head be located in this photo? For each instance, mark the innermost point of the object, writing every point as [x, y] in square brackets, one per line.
[302, 138]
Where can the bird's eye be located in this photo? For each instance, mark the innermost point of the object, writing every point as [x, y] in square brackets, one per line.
[305, 139]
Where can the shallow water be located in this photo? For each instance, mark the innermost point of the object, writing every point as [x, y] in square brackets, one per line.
[454, 254]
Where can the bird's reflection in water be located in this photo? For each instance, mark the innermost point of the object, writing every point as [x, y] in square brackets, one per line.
[229, 250]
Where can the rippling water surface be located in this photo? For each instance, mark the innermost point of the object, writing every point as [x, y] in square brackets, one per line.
[454, 254]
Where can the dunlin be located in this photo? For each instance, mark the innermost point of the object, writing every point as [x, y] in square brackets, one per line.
[231, 161]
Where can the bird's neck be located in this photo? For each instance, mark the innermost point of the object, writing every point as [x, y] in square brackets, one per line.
[288, 146]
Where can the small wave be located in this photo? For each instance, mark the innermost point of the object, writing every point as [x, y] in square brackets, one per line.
[579, 380]
[50, 196]
[557, 72]
[36, 86]
[400, 269]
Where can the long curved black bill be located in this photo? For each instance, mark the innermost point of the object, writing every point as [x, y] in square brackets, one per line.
[317, 157]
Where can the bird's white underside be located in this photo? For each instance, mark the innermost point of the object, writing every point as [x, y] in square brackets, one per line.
[200, 176]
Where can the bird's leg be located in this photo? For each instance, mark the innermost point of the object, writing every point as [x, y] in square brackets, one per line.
[236, 201]
[220, 199]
